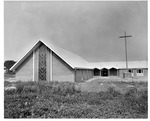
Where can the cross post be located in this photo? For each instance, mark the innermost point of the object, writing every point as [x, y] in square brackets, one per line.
[125, 36]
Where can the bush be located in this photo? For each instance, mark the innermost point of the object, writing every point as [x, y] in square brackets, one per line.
[45, 87]
[26, 87]
[19, 105]
[137, 100]
[41, 107]
[20, 87]
[6, 83]
[30, 89]
[64, 88]
[65, 100]
[143, 102]
[9, 92]
[113, 92]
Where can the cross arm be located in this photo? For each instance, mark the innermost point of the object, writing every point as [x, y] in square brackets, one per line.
[125, 36]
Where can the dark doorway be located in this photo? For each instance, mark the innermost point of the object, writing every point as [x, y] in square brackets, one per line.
[96, 72]
[104, 72]
[113, 72]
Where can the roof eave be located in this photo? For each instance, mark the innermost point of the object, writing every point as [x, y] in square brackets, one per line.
[25, 55]
[30, 51]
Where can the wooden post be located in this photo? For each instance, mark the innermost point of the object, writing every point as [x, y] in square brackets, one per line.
[33, 65]
[99, 72]
[108, 72]
[125, 36]
[51, 65]
[117, 72]
[48, 64]
[75, 75]
[37, 65]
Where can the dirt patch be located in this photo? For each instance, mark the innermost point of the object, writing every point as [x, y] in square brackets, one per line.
[103, 84]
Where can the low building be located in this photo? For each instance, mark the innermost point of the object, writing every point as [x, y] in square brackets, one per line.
[136, 68]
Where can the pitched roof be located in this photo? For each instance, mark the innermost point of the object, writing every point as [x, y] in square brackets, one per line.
[76, 61]
[119, 64]
[70, 58]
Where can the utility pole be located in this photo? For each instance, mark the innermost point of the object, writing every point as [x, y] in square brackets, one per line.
[125, 36]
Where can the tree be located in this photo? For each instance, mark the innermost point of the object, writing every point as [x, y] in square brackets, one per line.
[8, 64]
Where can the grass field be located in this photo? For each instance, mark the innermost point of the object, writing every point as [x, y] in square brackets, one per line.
[70, 100]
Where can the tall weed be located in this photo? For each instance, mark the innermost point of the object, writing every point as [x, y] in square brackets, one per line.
[137, 100]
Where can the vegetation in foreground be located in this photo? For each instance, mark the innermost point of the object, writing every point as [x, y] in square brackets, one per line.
[65, 100]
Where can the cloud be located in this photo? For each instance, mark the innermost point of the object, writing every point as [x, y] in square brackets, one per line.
[90, 29]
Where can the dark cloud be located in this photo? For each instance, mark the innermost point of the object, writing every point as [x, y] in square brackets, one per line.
[90, 29]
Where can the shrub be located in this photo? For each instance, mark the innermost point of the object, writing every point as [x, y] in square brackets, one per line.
[41, 107]
[45, 108]
[77, 88]
[143, 102]
[30, 89]
[64, 88]
[113, 92]
[26, 87]
[20, 86]
[6, 83]
[44, 87]
[78, 97]
[63, 100]
[74, 110]
[19, 105]
[9, 92]
[137, 100]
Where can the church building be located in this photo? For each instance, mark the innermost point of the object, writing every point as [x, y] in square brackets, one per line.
[47, 62]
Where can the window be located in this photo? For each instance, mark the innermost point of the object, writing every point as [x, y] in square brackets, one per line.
[139, 71]
[130, 70]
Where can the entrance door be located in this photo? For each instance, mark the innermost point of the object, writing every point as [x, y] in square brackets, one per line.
[104, 72]
[96, 72]
[42, 63]
[113, 72]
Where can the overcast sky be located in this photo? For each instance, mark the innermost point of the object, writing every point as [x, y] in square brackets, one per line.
[89, 29]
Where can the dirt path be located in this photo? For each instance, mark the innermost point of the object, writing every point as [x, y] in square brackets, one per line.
[97, 84]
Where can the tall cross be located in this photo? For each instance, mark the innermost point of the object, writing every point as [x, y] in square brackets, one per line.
[125, 36]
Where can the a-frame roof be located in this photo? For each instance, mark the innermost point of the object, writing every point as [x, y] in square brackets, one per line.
[76, 61]
[71, 59]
